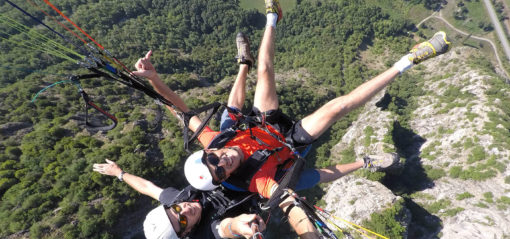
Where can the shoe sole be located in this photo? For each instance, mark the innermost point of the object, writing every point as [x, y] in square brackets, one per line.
[279, 11]
[435, 52]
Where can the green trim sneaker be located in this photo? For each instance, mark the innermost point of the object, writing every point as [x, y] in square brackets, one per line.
[377, 163]
[437, 45]
[244, 55]
[273, 6]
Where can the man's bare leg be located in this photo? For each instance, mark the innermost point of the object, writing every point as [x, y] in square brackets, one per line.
[238, 93]
[246, 61]
[380, 162]
[265, 93]
[319, 121]
[335, 172]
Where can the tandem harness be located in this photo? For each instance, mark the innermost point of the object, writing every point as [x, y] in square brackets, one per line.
[241, 179]
[244, 174]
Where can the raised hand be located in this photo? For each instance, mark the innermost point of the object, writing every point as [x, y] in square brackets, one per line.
[108, 168]
[144, 67]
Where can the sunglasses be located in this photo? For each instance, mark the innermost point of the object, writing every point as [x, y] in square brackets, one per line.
[183, 220]
[212, 159]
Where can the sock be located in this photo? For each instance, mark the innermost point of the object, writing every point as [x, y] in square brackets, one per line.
[271, 19]
[366, 162]
[403, 64]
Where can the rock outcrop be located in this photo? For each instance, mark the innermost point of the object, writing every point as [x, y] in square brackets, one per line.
[470, 196]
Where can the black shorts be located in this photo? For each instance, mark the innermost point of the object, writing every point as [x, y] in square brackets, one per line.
[285, 125]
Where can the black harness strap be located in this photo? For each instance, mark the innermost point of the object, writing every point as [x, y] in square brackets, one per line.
[289, 180]
[89, 103]
[217, 201]
[243, 175]
[187, 117]
[319, 223]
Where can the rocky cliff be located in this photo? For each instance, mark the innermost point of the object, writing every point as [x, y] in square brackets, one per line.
[456, 146]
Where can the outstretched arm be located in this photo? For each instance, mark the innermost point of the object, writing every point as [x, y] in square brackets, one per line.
[139, 184]
[144, 68]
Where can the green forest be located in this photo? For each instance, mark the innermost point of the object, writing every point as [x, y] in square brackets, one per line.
[47, 187]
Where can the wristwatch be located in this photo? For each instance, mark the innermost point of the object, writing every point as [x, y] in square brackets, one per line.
[121, 175]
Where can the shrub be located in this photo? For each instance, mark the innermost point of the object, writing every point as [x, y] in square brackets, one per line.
[455, 171]
[452, 212]
[38, 230]
[477, 154]
[436, 206]
[468, 143]
[434, 173]
[348, 155]
[488, 197]
[369, 131]
[479, 173]
[504, 200]
[464, 196]
[388, 221]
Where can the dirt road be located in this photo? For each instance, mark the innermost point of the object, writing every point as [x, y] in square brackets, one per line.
[497, 26]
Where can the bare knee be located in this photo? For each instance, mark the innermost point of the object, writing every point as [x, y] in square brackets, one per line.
[265, 69]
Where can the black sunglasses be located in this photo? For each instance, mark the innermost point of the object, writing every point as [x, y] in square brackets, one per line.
[183, 220]
[212, 159]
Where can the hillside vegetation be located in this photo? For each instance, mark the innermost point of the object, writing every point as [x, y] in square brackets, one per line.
[47, 186]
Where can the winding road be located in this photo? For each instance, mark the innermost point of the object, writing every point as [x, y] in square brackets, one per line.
[440, 17]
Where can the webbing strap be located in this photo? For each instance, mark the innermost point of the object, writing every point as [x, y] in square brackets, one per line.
[108, 115]
[289, 180]
[89, 103]
[310, 211]
[187, 117]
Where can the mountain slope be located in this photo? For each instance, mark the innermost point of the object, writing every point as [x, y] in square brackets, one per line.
[457, 147]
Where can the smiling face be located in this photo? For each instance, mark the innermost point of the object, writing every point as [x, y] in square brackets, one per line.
[192, 211]
[230, 159]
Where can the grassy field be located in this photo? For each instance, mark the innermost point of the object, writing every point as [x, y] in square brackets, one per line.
[476, 14]
[415, 13]
[259, 5]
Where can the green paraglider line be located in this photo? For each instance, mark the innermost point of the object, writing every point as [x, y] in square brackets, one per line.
[42, 42]
[54, 84]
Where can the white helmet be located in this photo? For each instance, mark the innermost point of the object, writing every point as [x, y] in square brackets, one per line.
[198, 174]
[157, 225]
